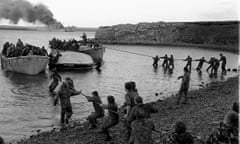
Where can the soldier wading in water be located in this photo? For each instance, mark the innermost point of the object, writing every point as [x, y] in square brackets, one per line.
[56, 78]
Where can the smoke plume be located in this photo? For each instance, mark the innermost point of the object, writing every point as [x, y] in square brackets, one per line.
[15, 10]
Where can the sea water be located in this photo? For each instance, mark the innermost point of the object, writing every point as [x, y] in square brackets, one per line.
[25, 104]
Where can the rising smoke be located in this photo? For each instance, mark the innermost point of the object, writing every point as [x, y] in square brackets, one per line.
[15, 10]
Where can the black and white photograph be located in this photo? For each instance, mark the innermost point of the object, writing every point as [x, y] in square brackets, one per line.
[119, 71]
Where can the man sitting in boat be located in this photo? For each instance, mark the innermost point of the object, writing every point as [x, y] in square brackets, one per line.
[11, 50]
[84, 38]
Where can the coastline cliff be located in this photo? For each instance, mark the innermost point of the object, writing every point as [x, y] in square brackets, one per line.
[218, 35]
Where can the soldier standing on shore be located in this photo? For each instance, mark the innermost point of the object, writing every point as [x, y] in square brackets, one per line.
[130, 96]
[113, 117]
[64, 94]
[184, 85]
[142, 128]
[99, 112]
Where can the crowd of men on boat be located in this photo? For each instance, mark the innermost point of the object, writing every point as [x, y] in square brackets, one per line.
[20, 49]
[72, 44]
[213, 63]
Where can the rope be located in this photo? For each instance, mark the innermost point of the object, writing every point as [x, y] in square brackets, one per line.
[100, 103]
[140, 54]
[130, 52]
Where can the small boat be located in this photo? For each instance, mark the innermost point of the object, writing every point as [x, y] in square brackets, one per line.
[69, 60]
[96, 53]
[30, 64]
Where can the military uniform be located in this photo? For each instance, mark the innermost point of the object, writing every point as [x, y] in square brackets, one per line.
[171, 63]
[99, 112]
[66, 108]
[141, 132]
[189, 63]
[184, 87]
[224, 135]
[183, 138]
[224, 62]
[112, 118]
[55, 79]
[165, 61]
[200, 64]
[130, 99]
[155, 61]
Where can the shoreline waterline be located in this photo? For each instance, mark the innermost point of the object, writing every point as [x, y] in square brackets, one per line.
[201, 103]
[201, 46]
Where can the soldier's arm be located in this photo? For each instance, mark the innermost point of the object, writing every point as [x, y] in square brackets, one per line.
[90, 99]
[75, 92]
[59, 77]
[180, 77]
[104, 106]
[131, 115]
[128, 102]
[56, 100]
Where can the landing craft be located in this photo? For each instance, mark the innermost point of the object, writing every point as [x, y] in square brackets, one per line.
[70, 60]
[31, 64]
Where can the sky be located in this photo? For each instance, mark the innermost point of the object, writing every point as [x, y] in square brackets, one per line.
[95, 13]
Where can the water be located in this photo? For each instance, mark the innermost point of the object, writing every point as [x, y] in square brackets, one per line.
[25, 105]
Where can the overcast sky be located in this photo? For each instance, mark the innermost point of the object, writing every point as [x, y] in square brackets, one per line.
[94, 13]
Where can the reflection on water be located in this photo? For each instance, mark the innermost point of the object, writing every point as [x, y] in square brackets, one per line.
[25, 105]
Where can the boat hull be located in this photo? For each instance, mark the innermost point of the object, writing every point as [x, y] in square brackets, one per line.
[96, 53]
[70, 60]
[30, 65]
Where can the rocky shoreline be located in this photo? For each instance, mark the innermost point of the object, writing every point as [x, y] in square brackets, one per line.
[206, 108]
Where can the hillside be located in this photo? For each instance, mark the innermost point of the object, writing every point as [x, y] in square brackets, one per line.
[220, 35]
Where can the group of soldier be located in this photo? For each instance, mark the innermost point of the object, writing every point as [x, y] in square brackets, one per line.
[136, 114]
[21, 49]
[72, 44]
[214, 63]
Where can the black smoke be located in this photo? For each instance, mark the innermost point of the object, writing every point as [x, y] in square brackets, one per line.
[14, 10]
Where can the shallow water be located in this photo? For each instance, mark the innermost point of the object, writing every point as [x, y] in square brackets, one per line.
[25, 105]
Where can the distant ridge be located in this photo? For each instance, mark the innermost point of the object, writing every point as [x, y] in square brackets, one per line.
[221, 35]
[28, 28]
